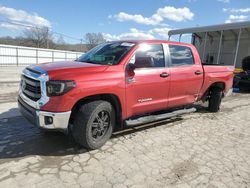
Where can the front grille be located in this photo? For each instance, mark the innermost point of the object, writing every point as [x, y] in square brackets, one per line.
[31, 88]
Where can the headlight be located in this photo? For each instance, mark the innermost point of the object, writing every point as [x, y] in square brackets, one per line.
[59, 87]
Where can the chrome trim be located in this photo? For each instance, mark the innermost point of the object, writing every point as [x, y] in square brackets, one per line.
[43, 78]
[60, 119]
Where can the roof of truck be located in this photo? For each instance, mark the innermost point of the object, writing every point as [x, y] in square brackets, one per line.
[153, 41]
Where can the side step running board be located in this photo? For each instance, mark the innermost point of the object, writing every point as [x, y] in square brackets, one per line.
[159, 117]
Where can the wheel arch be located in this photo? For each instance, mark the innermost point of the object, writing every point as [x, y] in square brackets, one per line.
[217, 85]
[111, 98]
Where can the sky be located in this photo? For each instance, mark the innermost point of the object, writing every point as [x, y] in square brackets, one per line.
[130, 19]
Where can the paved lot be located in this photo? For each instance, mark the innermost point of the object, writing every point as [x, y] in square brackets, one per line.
[195, 150]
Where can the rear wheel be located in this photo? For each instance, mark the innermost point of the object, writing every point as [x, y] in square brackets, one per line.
[214, 101]
[93, 124]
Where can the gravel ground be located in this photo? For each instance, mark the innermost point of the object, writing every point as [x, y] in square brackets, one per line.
[195, 150]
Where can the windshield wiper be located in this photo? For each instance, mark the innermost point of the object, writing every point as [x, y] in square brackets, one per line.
[94, 62]
[89, 61]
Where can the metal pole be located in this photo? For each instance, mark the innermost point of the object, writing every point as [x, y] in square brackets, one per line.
[218, 58]
[53, 59]
[204, 48]
[180, 37]
[237, 47]
[193, 39]
[17, 56]
[169, 36]
[36, 56]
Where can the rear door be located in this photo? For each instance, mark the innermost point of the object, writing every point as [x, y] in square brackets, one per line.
[148, 87]
[186, 76]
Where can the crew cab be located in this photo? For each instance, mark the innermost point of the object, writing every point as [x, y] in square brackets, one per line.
[116, 82]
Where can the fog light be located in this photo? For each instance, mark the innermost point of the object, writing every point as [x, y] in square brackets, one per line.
[48, 120]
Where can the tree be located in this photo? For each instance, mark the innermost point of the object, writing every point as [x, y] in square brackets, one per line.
[93, 39]
[41, 37]
[60, 40]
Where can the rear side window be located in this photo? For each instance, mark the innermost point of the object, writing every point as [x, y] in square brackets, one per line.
[149, 56]
[181, 55]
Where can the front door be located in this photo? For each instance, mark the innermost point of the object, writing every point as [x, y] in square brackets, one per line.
[147, 87]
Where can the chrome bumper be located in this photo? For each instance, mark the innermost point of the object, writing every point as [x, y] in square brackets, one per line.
[42, 119]
[60, 120]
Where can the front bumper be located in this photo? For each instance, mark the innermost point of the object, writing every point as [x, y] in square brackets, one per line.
[43, 119]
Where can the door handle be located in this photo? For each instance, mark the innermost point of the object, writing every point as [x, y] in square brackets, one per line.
[164, 75]
[198, 72]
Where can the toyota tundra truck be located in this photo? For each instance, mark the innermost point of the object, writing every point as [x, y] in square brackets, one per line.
[116, 84]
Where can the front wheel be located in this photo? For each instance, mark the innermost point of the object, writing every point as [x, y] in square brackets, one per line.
[93, 124]
[214, 101]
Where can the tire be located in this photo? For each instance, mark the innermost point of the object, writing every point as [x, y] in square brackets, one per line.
[215, 100]
[93, 124]
[46, 132]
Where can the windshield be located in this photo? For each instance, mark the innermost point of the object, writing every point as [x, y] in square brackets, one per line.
[107, 53]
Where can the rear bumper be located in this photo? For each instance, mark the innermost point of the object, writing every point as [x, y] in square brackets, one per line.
[43, 119]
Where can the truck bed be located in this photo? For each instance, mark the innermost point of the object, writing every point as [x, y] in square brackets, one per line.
[217, 73]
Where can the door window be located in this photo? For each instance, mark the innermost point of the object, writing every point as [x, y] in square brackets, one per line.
[149, 56]
[181, 55]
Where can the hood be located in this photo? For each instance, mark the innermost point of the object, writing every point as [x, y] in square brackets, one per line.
[62, 69]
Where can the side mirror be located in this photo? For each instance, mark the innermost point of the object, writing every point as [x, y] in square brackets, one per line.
[131, 67]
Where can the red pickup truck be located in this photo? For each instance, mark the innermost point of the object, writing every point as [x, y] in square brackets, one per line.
[118, 82]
